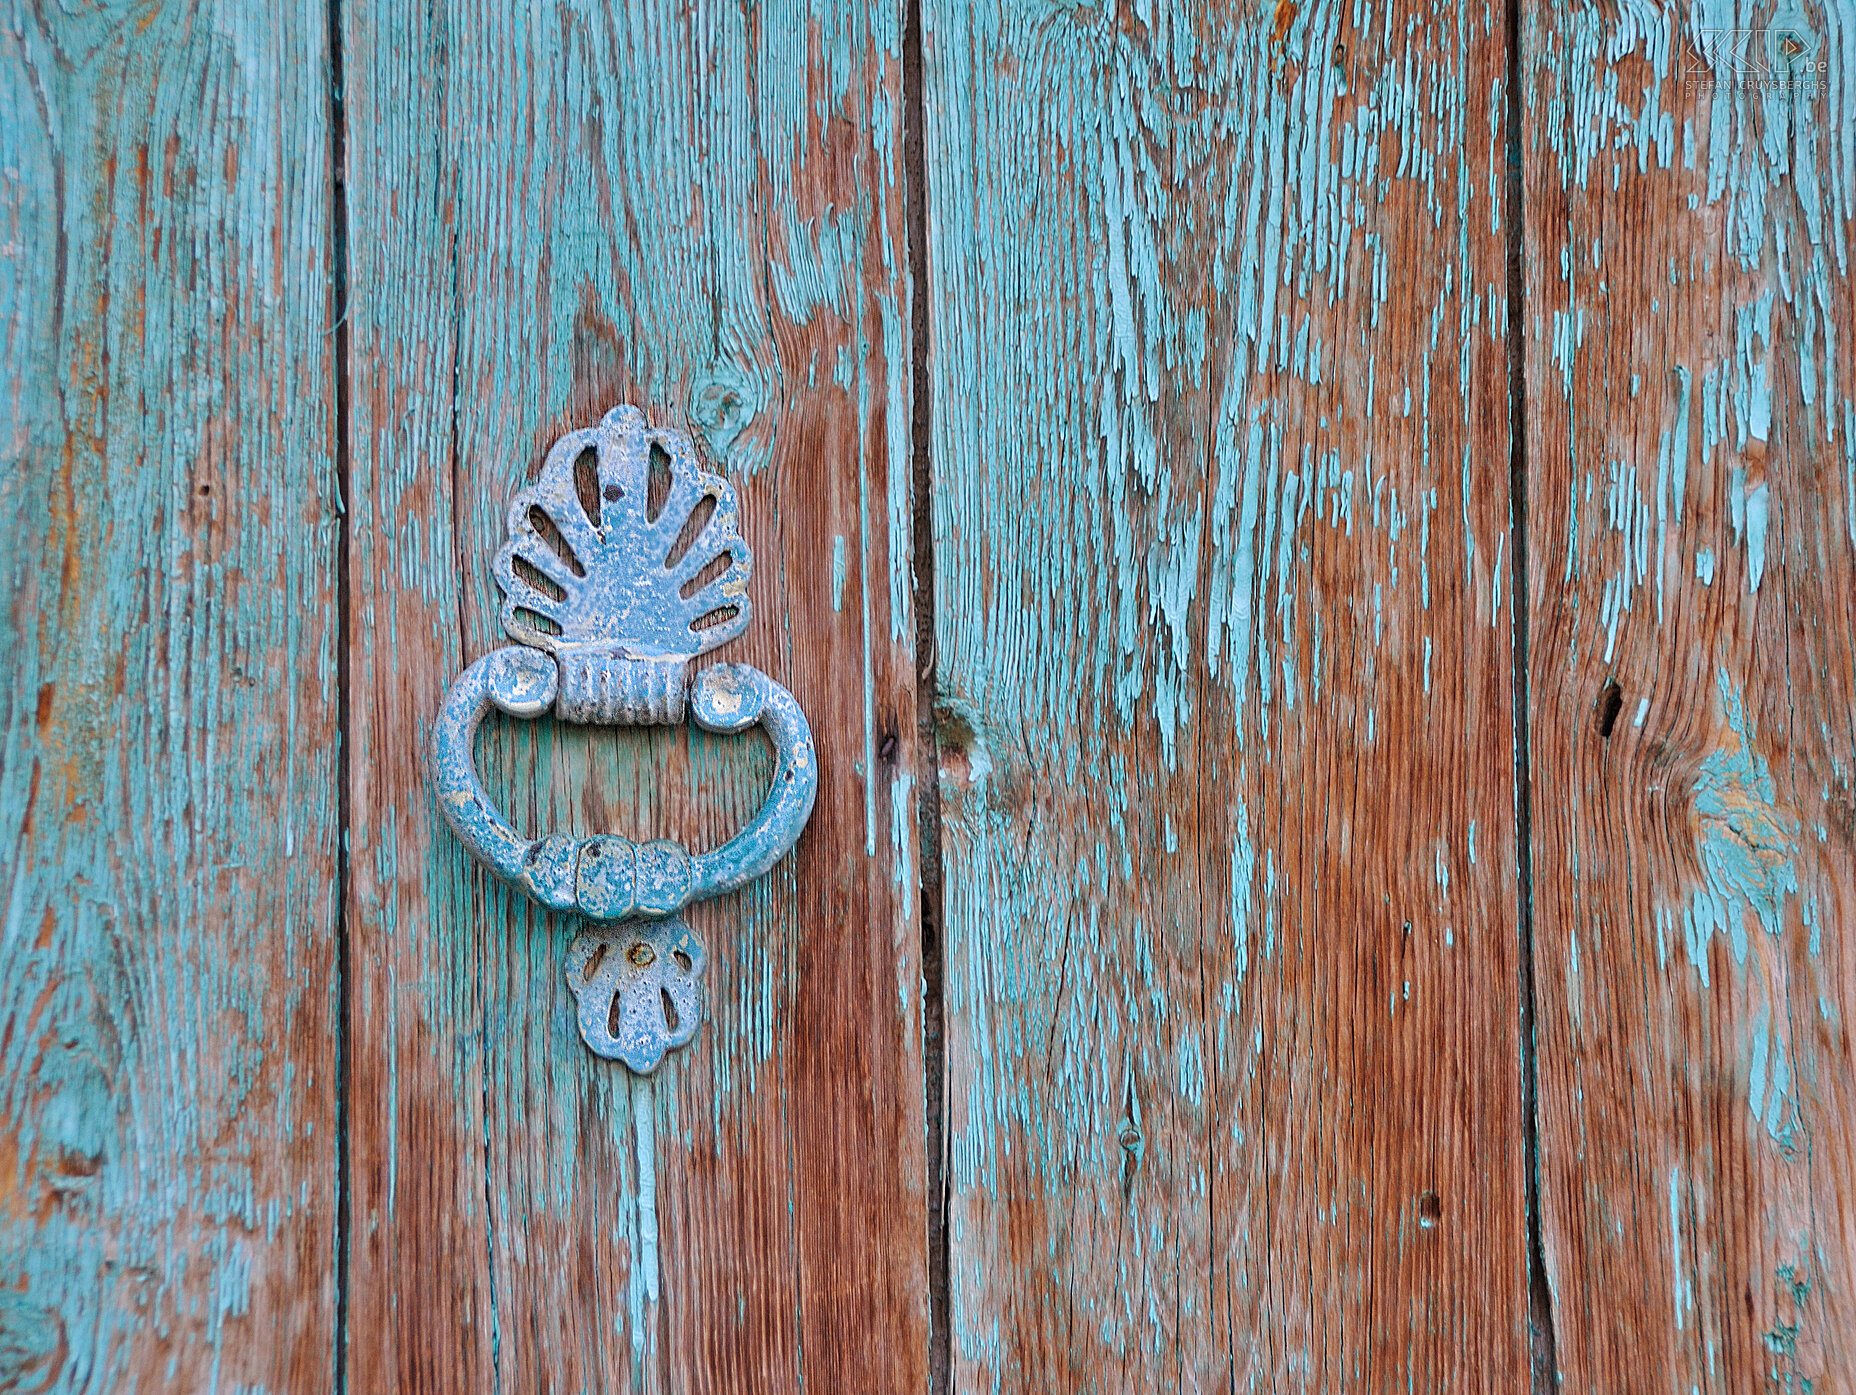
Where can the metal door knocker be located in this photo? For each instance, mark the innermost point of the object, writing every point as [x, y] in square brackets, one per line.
[624, 563]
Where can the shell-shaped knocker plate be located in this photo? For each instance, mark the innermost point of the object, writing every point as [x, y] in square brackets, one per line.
[624, 563]
[639, 984]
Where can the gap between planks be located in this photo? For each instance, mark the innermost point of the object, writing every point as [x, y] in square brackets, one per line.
[927, 684]
[338, 243]
[1543, 1360]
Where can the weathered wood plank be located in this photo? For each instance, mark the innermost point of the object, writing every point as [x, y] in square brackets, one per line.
[1692, 449]
[168, 811]
[1221, 447]
[701, 212]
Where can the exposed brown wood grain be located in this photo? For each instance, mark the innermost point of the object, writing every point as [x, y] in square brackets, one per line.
[700, 213]
[168, 702]
[1221, 449]
[1692, 472]
[1217, 344]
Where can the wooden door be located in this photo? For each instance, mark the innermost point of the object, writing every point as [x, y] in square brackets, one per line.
[1318, 543]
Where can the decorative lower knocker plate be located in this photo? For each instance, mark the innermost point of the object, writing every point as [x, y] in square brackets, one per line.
[624, 563]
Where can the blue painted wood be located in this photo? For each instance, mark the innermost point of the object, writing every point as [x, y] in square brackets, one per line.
[168, 701]
[1219, 355]
[1691, 206]
[700, 212]
[1224, 628]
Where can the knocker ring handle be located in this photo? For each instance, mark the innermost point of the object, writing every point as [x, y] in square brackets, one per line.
[607, 877]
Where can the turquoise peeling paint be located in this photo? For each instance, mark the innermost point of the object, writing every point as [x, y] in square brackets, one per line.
[701, 212]
[1177, 492]
[1682, 1288]
[1748, 860]
[642, 1273]
[169, 816]
[1769, 1080]
[1746, 851]
[1761, 142]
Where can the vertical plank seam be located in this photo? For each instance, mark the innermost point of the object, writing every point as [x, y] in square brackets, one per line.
[455, 459]
[927, 685]
[338, 244]
[1543, 1359]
